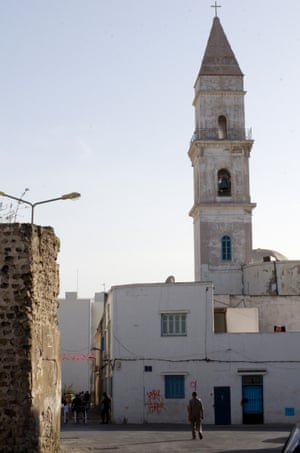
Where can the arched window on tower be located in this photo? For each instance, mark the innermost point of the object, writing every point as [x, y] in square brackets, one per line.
[226, 247]
[222, 127]
[224, 183]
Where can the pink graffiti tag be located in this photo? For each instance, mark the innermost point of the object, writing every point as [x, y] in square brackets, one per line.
[155, 403]
[193, 385]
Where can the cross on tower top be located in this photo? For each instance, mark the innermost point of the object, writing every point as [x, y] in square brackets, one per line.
[216, 6]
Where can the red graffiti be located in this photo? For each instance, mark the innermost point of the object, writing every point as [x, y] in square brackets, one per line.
[155, 403]
[155, 407]
[193, 385]
[154, 395]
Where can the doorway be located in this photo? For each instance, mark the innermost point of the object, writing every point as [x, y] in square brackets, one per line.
[252, 399]
[222, 405]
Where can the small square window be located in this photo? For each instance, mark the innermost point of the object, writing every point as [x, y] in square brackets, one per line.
[147, 368]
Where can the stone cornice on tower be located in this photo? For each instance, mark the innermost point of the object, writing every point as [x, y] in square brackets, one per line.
[236, 146]
[226, 208]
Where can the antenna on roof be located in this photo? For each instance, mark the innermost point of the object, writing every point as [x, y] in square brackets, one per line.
[216, 6]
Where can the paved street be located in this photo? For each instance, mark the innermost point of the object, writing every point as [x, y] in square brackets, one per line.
[171, 438]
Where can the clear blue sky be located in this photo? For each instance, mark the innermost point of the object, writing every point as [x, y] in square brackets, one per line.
[96, 97]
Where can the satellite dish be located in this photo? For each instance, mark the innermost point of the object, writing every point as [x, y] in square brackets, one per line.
[170, 279]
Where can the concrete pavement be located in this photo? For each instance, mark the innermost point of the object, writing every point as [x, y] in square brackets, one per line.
[155, 438]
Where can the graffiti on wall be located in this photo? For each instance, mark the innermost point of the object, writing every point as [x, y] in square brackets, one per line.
[193, 385]
[154, 402]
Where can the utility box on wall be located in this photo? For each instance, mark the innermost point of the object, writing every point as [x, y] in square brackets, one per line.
[30, 370]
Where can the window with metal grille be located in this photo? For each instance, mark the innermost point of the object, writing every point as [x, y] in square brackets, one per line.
[173, 324]
[174, 386]
[226, 248]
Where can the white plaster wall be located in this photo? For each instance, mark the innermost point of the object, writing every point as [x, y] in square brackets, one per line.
[136, 312]
[140, 397]
[276, 354]
[76, 327]
[242, 320]
[207, 360]
[136, 334]
[133, 387]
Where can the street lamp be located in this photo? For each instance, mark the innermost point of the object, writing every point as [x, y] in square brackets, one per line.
[67, 196]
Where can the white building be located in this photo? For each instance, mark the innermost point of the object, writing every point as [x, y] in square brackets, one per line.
[159, 345]
[78, 320]
[233, 334]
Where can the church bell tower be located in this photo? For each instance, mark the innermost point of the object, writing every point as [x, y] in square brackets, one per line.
[219, 151]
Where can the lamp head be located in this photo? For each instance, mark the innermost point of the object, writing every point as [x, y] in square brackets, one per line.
[70, 196]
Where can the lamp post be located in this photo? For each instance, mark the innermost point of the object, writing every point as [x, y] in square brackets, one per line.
[67, 196]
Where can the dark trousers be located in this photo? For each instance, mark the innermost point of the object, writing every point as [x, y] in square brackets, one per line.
[105, 416]
[196, 423]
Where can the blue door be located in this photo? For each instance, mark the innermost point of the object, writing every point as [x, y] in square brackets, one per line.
[222, 405]
[252, 399]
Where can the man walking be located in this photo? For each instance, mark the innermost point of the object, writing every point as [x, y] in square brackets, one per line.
[195, 411]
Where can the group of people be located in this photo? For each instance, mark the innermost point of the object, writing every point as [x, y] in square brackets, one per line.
[81, 402]
[79, 405]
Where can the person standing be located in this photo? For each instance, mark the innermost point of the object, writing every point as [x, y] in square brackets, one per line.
[106, 408]
[86, 398]
[65, 406]
[196, 414]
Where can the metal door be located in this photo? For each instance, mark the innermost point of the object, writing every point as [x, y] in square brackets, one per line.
[252, 399]
[222, 405]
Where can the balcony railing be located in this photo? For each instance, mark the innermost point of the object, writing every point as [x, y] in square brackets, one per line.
[217, 134]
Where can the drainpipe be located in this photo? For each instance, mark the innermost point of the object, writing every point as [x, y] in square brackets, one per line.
[276, 278]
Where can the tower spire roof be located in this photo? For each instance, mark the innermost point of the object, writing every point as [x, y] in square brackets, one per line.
[219, 58]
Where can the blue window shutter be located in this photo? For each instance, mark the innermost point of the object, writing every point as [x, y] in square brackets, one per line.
[174, 386]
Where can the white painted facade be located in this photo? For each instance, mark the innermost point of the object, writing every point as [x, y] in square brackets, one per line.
[78, 321]
[207, 360]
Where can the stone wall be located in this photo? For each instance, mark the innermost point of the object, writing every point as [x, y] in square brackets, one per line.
[30, 373]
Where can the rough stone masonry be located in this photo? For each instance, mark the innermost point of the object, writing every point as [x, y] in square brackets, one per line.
[30, 373]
